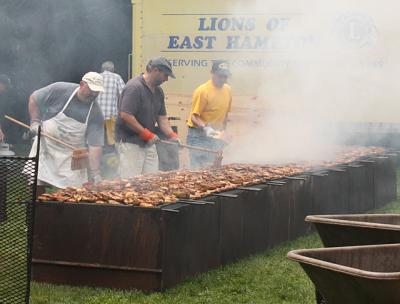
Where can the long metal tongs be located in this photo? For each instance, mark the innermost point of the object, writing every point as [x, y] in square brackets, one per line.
[217, 161]
[189, 147]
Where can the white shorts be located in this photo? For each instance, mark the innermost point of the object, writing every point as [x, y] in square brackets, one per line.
[135, 160]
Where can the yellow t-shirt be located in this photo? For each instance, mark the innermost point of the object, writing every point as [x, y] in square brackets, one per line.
[211, 104]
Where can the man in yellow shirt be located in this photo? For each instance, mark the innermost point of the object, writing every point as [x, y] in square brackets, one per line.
[211, 104]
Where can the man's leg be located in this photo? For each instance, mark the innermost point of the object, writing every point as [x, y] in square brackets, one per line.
[204, 159]
[151, 160]
[197, 159]
[110, 130]
[216, 145]
[131, 159]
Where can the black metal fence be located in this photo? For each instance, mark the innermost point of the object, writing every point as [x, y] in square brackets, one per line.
[18, 178]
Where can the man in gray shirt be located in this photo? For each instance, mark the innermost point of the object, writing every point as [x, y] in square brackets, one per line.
[140, 107]
[69, 112]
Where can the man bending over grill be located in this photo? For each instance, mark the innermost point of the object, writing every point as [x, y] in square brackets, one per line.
[211, 103]
[140, 107]
[69, 112]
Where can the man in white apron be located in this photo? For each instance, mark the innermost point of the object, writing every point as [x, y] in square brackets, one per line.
[69, 112]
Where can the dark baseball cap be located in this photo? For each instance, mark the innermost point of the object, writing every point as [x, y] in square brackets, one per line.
[221, 67]
[163, 64]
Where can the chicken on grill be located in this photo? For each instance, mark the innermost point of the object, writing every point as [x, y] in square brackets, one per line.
[168, 187]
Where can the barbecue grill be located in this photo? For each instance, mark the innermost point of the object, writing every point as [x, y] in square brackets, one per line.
[122, 246]
[384, 172]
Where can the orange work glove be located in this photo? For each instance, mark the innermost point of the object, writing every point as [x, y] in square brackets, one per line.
[149, 137]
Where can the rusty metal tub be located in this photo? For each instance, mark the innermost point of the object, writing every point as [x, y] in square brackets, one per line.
[357, 229]
[123, 247]
[355, 274]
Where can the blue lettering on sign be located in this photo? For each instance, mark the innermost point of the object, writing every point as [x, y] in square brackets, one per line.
[277, 24]
[173, 42]
[238, 35]
[187, 42]
[188, 62]
[269, 43]
[247, 42]
[227, 24]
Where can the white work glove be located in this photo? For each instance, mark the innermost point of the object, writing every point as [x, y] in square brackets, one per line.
[175, 140]
[152, 141]
[34, 128]
[173, 137]
[209, 131]
[26, 135]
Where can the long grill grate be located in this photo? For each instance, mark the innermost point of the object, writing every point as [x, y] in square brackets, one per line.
[18, 177]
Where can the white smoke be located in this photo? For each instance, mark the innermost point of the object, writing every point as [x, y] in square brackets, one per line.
[333, 66]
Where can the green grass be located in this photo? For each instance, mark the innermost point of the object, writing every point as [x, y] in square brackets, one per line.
[14, 235]
[265, 278]
[13, 253]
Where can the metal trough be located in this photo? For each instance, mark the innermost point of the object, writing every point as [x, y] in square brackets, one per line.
[357, 229]
[361, 186]
[384, 179]
[231, 229]
[126, 247]
[121, 246]
[356, 274]
[330, 191]
[300, 205]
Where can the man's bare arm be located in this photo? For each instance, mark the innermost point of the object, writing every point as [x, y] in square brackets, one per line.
[164, 125]
[34, 111]
[95, 153]
[197, 121]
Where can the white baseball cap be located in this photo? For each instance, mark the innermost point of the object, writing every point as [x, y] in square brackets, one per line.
[94, 81]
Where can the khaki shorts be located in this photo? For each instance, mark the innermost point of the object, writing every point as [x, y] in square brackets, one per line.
[135, 160]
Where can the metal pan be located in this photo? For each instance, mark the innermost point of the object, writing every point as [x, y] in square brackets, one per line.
[356, 274]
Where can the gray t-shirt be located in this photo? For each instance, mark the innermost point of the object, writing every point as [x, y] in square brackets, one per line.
[52, 99]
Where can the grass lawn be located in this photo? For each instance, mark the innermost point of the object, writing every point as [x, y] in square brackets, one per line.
[13, 254]
[264, 278]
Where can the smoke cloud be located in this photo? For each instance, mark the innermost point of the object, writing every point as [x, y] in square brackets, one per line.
[45, 41]
[328, 73]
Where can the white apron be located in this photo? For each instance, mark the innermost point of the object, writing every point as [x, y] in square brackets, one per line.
[55, 159]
